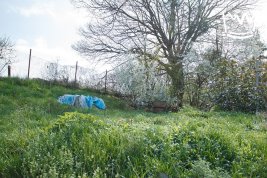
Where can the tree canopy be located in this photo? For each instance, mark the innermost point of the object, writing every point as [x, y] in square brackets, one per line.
[162, 31]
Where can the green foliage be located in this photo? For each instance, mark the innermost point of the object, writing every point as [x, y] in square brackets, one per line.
[80, 144]
[36, 142]
[201, 168]
[235, 87]
[226, 84]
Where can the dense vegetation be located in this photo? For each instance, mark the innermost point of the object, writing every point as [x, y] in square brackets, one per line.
[41, 138]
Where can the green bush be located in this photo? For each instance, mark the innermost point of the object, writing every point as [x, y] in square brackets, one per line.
[201, 168]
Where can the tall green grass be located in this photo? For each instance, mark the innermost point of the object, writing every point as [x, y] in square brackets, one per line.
[40, 138]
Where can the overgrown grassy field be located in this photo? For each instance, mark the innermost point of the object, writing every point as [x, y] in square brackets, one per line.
[41, 138]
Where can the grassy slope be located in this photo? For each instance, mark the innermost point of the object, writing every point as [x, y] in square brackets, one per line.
[39, 137]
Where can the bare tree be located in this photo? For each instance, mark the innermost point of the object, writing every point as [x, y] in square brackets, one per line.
[6, 52]
[157, 30]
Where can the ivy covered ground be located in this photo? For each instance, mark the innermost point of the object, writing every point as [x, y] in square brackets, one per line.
[41, 138]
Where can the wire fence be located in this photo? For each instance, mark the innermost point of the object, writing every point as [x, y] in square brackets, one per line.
[52, 70]
[124, 84]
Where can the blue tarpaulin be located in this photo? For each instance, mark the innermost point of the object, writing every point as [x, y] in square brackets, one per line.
[82, 101]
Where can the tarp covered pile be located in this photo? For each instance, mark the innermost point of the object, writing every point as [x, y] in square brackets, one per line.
[82, 101]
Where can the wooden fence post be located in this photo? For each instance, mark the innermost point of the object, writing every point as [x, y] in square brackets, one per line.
[106, 78]
[29, 66]
[76, 68]
[9, 71]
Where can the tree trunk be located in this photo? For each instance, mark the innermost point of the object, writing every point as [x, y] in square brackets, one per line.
[176, 74]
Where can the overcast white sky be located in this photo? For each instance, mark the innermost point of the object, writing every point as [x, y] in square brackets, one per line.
[50, 27]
